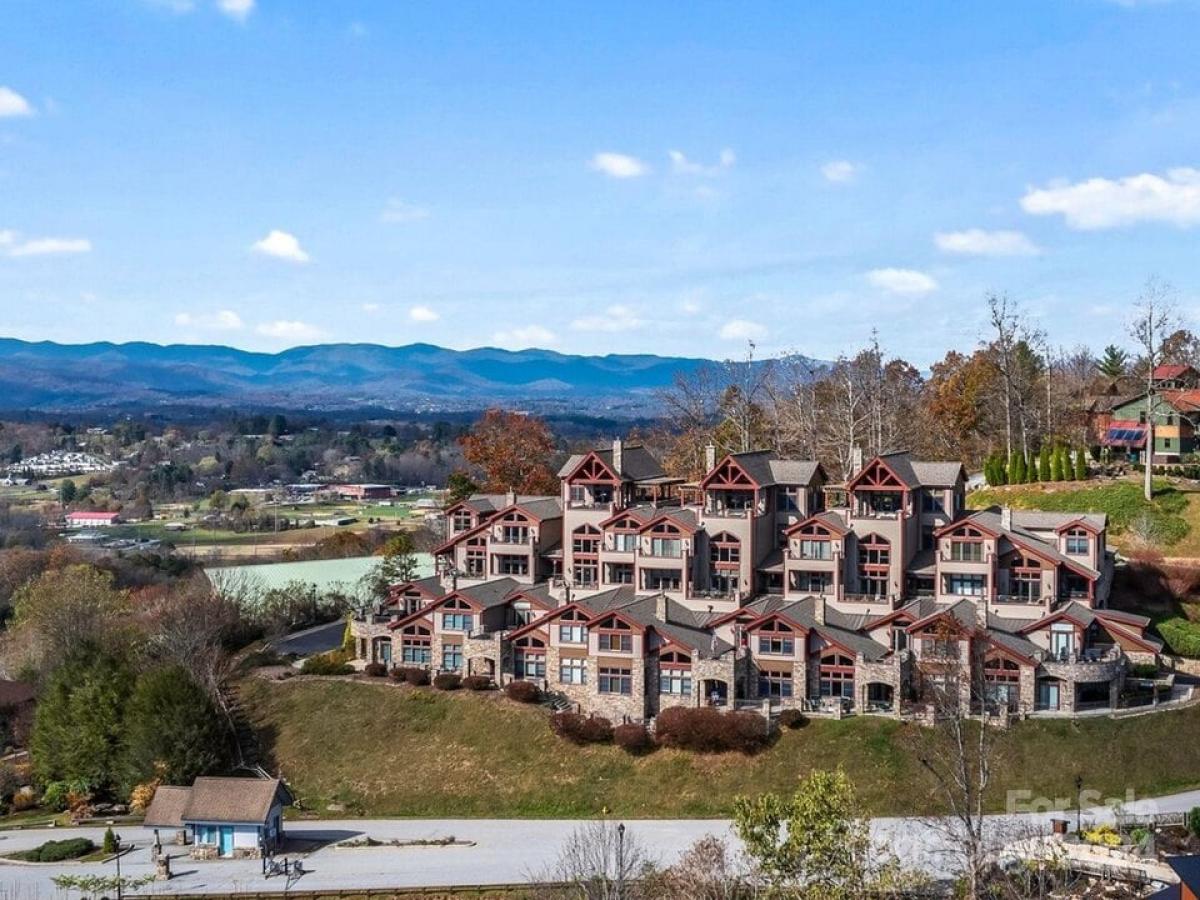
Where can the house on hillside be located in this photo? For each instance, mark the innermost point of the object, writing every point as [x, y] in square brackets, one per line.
[225, 817]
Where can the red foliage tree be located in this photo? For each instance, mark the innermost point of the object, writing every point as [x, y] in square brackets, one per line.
[513, 451]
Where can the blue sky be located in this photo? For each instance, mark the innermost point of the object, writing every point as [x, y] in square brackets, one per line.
[618, 177]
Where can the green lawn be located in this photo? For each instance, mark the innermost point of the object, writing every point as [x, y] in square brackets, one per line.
[1172, 511]
[386, 750]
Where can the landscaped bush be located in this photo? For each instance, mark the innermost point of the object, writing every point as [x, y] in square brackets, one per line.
[398, 674]
[375, 670]
[416, 676]
[1193, 821]
[447, 681]
[792, 718]
[633, 738]
[580, 729]
[523, 691]
[477, 683]
[1143, 670]
[57, 851]
[708, 730]
[110, 841]
[1181, 635]
[326, 664]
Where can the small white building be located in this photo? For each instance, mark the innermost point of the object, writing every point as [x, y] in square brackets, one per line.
[226, 817]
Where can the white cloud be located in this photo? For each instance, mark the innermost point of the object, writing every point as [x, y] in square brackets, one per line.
[742, 330]
[370, 308]
[618, 165]
[236, 9]
[524, 336]
[49, 246]
[1100, 203]
[175, 6]
[281, 245]
[840, 171]
[616, 318]
[423, 314]
[399, 211]
[13, 104]
[221, 320]
[902, 281]
[690, 306]
[290, 330]
[977, 242]
[681, 165]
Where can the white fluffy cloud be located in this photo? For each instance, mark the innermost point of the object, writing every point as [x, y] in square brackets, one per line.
[290, 330]
[370, 308]
[977, 242]
[281, 245]
[839, 171]
[524, 336]
[236, 9]
[618, 165]
[398, 211]
[1100, 203]
[13, 104]
[11, 244]
[681, 165]
[221, 320]
[616, 318]
[423, 314]
[742, 330]
[902, 281]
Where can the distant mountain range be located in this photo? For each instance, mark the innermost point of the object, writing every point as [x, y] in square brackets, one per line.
[47, 376]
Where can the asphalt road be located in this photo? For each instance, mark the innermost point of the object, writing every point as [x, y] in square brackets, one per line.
[493, 851]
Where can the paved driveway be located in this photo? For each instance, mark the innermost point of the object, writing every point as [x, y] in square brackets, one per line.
[494, 851]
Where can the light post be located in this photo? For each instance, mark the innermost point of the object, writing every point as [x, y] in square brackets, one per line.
[117, 841]
[621, 861]
[1078, 804]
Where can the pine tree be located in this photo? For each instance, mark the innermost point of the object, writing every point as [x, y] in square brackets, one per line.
[1044, 463]
[1032, 469]
[1063, 465]
[1114, 362]
[1081, 469]
[1014, 468]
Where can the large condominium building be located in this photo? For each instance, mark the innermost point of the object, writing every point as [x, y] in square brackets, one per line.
[763, 584]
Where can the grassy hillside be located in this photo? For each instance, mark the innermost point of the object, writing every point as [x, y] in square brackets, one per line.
[387, 750]
[1173, 513]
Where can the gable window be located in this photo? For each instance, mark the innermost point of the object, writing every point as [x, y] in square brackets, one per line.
[415, 646]
[529, 662]
[461, 521]
[675, 674]
[572, 671]
[457, 621]
[776, 645]
[814, 549]
[624, 542]
[611, 642]
[774, 684]
[572, 634]
[836, 675]
[1077, 542]
[966, 551]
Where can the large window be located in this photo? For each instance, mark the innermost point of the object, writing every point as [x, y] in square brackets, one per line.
[836, 675]
[675, 681]
[529, 662]
[612, 680]
[572, 671]
[573, 633]
[452, 657]
[961, 585]
[774, 684]
[613, 642]
[662, 579]
[624, 542]
[776, 644]
[618, 573]
[874, 559]
[475, 560]
[457, 621]
[507, 564]
[966, 551]
[585, 541]
[671, 548]
[415, 646]
[461, 521]
[815, 549]
[725, 548]
[812, 582]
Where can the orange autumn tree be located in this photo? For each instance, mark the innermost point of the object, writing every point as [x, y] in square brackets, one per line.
[513, 451]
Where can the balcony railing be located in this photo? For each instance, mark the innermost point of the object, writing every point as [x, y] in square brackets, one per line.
[848, 597]
[1089, 656]
[513, 540]
[1021, 599]
[729, 512]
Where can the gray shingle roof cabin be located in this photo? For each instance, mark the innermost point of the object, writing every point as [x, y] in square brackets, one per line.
[224, 816]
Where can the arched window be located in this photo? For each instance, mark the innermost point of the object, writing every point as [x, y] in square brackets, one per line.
[836, 674]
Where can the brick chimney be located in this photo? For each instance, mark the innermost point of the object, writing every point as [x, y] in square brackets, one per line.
[660, 607]
[819, 609]
[1006, 518]
[710, 457]
[618, 455]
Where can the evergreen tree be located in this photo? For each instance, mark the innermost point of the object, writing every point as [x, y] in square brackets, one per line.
[1035, 474]
[77, 727]
[1081, 469]
[172, 730]
[1114, 362]
[399, 565]
[1014, 468]
[1061, 464]
[1044, 463]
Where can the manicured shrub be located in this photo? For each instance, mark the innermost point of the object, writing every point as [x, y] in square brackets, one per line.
[477, 683]
[580, 729]
[326, 664]
[375, 670]
[632, 738]
[398, 674]
[1143, 670]
[792, 718]
[447, 681]
[57, 851]
[417, 677]
[110, 841]
[523, 691]
[708, 730]
[1193, 821]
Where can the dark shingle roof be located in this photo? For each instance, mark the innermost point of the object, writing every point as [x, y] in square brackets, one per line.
[166, 809]
[681, 625]
[490, 593]
[637, 463]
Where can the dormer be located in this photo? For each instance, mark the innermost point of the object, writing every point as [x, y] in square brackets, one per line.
[818, 537]
[731, 491]
[881, 490]
[1081, 540]
[592, 484]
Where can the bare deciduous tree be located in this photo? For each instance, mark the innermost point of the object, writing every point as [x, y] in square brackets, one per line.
[1154, 319]
[600, 860]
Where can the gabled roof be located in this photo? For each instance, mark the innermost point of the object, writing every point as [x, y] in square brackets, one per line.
[766, 469]
[830, 519]
[681, 626]
[540, 508]
[641, 513]
[166, 809]
[1167, 371]
[1020, 536]
[488, 593]
[637, 463]
[431, 586]
[684, 518]
[233, 800]
[917, 473]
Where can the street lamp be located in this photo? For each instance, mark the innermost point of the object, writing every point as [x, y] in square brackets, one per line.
[621, 861]
[1078, 803]
[117, 841]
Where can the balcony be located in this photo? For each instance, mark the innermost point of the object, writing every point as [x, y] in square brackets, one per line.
[513, 540]
[1092, 665]
[1019, 600]
[728, 512]
[848, 597]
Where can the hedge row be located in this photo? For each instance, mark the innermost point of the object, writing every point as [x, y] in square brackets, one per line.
[57, 851]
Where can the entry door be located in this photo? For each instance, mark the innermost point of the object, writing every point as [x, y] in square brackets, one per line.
[1062, 641]
[226, 844]
[1048, 695]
